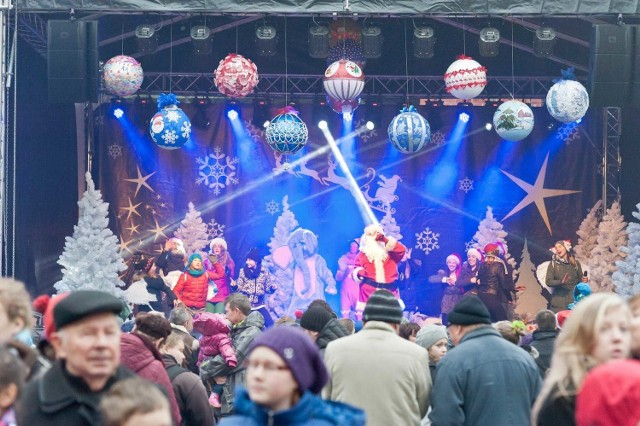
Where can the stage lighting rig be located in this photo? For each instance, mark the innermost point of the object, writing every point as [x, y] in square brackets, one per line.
[146, 38]
[318, 41]
[201, 39]
[266, 40]
[424, 42]
[489, 42]
[543, 42]
[372, 41]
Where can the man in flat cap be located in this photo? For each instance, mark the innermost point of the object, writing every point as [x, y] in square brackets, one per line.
[87, 343]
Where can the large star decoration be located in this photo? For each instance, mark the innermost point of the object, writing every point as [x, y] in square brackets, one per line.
[536, 193]
[158, 231]
[131, 209]
[141, 181]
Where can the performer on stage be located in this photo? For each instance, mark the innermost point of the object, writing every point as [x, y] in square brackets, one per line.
[349, 289]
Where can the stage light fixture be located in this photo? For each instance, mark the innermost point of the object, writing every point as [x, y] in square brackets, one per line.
[266, 40]
[488, 127]
[424, 42]
[146, 38]
[118, 113]
[370, 125]
[322, 125]
[201, 40]
[489, 42]
[464, 117]
[319, 41]
[543, 42]
[232, 114]
[371, 41]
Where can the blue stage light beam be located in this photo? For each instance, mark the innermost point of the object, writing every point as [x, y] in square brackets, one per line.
[232, 114]
[118, 113]
[464, 117]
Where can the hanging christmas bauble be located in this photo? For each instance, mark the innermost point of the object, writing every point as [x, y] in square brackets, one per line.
[236, 76]
[343, 80]
[122, 75]
[350, 50]
[170, 127]
[287, 133]
[409, 132]
[567, 100]
[513, 120]
[343, 107]
[465, 78]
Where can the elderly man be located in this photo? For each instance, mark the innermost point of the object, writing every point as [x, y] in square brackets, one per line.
[182, 323]
[87, 343]
[484, 380]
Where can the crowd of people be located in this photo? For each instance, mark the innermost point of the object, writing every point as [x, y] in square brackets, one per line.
[195, 357]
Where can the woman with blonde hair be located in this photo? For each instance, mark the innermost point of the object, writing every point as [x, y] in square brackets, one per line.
[596, 332]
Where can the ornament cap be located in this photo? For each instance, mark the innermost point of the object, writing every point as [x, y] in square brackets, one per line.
[166, 100]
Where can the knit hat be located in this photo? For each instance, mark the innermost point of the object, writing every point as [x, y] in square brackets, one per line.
[218, 242]
[383, 306]
[315, 318]
[580, 291]
[453, 257]
[610, 395]
[492, 248]
[302, 356]
[83, 303]
[475, 253]
[561, 317]
[430, 335]
[44, 305]
[470, 310]
[193, 257]
[254, 254]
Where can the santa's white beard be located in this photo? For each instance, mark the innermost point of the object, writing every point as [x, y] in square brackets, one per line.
[374, 250]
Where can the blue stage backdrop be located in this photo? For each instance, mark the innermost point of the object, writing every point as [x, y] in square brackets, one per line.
[539, 189]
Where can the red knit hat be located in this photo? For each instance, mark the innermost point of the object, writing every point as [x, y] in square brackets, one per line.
[561, 317]
[610, 395]
[46, 304]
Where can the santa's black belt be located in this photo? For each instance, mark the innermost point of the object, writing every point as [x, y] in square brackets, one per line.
[390, 286]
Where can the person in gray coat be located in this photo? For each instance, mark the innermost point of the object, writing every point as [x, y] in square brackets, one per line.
[484, 380]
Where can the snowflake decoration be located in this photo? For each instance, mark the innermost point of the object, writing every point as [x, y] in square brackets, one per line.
[469, 245]
[272, 207]
[186, 129]
[215, 229]
[367, 134]
[115, 151]
[427, 240]
[173, 116]
[568, 133]
[170, 137]
[256, 133]
[217, 174]
[437, 138]
[99, 120]
[466, 185]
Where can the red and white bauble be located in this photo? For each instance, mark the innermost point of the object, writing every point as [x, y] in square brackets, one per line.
[236, 76]
[465, 78]
[343, 80]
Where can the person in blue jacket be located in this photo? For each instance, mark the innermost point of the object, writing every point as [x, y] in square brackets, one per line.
[284, 375]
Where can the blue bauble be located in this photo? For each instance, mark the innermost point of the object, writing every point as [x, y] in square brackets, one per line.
[170, 128]
[513, 120]
[287, 133]
[409, 131]
[567, 101]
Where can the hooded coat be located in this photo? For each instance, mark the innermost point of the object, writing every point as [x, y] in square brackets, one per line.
[215, 339]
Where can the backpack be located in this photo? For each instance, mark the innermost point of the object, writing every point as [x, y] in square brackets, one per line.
[175, 370]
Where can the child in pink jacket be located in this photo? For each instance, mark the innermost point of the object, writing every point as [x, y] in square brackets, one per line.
[215, 340]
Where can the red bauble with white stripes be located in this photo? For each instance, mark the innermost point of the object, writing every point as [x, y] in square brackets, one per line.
[465, 78]
[343, 80]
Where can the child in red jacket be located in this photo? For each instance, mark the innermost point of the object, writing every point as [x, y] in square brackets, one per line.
[193, 284]
[215, 340]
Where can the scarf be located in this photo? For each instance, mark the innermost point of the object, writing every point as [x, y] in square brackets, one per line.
[252, 274]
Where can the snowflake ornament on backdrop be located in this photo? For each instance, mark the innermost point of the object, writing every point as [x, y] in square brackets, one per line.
[568, 133]
[466, 185]
[256, 133]
[215, 229]
[367, 134]
[427, 240]
[272, 207]
[469, 245]
[217, 174]
[115, 151]
[437, 138]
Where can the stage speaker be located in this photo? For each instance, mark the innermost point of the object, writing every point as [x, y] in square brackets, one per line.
[610, 64]
[72, 61]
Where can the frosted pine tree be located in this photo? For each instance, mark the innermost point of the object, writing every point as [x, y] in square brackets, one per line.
[491, 231]
[390, 226]
[588, 234]
[193, 231]
[627, 278]
[612, 236]
[530, 300]
[90, 260]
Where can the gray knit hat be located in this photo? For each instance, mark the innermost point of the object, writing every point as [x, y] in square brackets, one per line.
[383, 306]
[430, 334]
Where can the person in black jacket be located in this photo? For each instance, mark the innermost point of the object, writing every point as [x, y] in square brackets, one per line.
[156, 286]
[544, 338]
[173, 256]
[494, 283]
[321, 326]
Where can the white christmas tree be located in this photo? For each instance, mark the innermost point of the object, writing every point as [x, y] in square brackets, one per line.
[612, 236]
[588, 234]
[627, 278]
[491, 231]
[390, 226]
[90, 260]
[530, 300]
[192, 231]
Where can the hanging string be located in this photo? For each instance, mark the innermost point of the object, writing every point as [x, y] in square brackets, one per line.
[343, 39]
[14, 70]
[236, 39]
[286, 66]
[513, 77]
[406, 60]
[464, 38]
[171, 59]
[122, 39]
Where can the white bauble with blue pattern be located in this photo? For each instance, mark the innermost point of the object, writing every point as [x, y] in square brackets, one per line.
[567, 101]
[409, 132]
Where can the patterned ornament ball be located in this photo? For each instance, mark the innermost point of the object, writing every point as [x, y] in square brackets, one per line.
[122, 75]
[348, 49]
[465, 78]
[287, 133]
[343, 80]
[170, 127]
[513, 120]
[567, 101]
[409, 132]
[343, 107]
[236, 76]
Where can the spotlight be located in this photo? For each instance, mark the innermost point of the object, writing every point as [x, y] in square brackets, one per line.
[322, 125]
[319, 41]
[370, 125]
[464, 117]
[488, 127]
[347, 116]
[543, 42]
[146, 38]
[266, 124]
[489, 42]
[201, 39]
[266, 40]
[118, 113]
[232, 114]
[372, 42]
[579, 120]
[423, 42]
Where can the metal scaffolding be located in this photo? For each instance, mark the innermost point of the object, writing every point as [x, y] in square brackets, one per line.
[611, 160]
